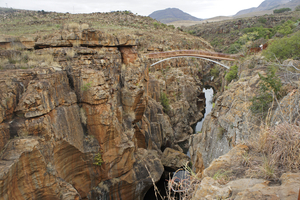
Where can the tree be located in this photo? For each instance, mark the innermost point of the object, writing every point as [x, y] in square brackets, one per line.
[281, 10]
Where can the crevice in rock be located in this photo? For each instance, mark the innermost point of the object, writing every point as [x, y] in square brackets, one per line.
[162, 186]
[71, 81]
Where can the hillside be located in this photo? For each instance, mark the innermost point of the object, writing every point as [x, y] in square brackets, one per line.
[224, 35]
[269, 5]
[172, 14]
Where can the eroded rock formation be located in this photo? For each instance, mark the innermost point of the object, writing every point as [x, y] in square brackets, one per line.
[92, 125]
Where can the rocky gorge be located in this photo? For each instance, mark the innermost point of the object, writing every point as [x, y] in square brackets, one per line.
[91, 125]
[86, 116]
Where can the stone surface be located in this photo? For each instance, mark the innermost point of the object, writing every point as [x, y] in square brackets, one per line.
[87, 125]
[211, 189]
[226, 162]
[249, 189]
[289, 189]
[230, 121]
[288, 111]
[174, 159]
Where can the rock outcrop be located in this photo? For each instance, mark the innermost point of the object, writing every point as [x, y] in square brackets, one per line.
[174, 159]
[91, 125]
[243, 188]
[228, 124]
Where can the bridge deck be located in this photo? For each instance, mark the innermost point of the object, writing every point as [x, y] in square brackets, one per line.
[195, 53]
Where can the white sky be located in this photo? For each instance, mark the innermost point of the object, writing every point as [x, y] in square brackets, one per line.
[197, 8]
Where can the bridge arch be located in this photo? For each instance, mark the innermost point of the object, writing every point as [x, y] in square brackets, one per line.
[190, 57]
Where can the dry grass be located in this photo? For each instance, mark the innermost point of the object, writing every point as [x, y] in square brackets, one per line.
[27, 59]
[282, 146]
[73, 26]
[275, 151]
[183, 187]
[180, 186]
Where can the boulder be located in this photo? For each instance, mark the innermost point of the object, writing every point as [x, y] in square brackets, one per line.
[174, 159]
[226, 162]
[289, 189]
[211, 189]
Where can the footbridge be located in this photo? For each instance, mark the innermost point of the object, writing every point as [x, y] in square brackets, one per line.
[205, 55]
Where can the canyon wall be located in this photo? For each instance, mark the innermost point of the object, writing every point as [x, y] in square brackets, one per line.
[91, 125]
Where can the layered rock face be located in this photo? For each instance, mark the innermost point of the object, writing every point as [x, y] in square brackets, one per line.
[229, 123]
[91, 127]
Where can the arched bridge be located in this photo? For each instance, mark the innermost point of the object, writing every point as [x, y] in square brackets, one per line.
[206, 55]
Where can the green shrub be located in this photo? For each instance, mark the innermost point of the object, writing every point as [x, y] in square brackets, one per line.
[98, 159]
[171, 26]
[127, 12]
[86, 87]
[192, 32]
[261, 32]
[297, 8]
[286, 28]
[262, 20]
[281, 10]
[215, 71]
[234, 48]
[165, 102]
[156, 24]
[261, 103]
[217, 42]
[284, 48]
[232, 74]
[270, 83]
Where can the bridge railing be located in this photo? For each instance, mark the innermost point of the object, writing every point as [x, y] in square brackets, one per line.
[197, 53]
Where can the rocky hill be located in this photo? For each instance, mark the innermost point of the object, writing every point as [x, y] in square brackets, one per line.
[270, 5]
[172, 14]
[226, 35]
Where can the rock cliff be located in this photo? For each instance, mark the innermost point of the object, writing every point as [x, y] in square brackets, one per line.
[90, 124]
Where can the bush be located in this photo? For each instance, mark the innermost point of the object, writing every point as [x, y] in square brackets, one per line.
[271, 83]
[261, 103]
[215, 71]
[192, 32]
[156, 24]
[171, 26]
[232, 74]
[86, 86]
[98, 159]
[286, 28]
[234, 48]
[262, 20]
[284, 48]
[262, 32]
[297, 8]
[165, 102]
[281, 10]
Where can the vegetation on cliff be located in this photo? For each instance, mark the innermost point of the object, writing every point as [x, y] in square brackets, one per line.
[238, 35]
[270, 87]
[284, 48]
[164, 100]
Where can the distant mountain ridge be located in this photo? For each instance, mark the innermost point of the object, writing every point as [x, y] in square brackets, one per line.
[172, 14]
[271, 5]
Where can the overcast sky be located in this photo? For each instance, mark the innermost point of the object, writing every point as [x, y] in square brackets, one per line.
[197, 8]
